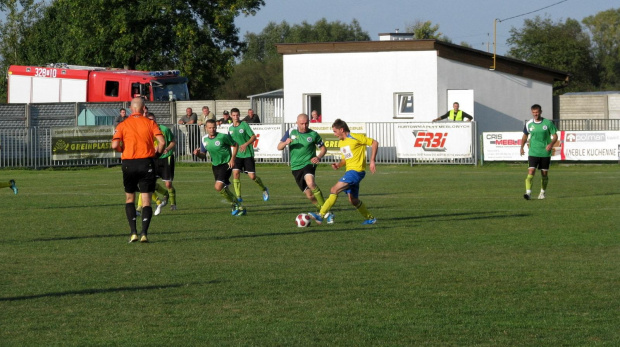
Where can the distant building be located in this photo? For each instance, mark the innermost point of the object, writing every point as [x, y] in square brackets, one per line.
[412, 80]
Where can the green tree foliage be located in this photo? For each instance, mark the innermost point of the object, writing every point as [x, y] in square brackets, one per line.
[562, 46]
[260, 69]
[423, 30]
[605, 30]
[197, 37]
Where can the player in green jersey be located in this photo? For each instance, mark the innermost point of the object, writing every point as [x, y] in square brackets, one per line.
[223, 150]
[353, 150]
[542, 135]
[302, 143]
[243, 135]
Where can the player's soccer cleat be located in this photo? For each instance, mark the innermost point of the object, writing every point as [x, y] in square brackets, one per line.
[329, 218]
[239, 199]
[160, 206]
[316, 216]
[265, 194]
[138, 213]
[241, 211]
[143, 238]
[13, 186]
[235, 209]
[133, 238]
[370, 221]
[541, 196]
[173, 207]
[526, 196]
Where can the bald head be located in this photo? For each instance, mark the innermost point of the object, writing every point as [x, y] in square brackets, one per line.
[137, 105]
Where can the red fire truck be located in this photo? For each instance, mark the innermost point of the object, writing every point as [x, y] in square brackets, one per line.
[72, 83]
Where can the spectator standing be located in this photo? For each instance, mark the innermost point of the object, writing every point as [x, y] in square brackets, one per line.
[225, 119]
[190, 119]
[121, 117]
[455, 114]
[134, 138]
[205, 116]
[251, 117]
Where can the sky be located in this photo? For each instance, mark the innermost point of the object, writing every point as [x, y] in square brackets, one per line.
[470, 21]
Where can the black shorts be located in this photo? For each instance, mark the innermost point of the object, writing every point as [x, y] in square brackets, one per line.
[245, 164]
[165, 168]
[222, 173]
[300, 175]
[139, 175]
[540, 163]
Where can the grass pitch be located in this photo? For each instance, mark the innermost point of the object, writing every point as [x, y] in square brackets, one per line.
[457, 257]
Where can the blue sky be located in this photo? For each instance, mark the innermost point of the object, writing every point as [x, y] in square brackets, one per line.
[460, 20]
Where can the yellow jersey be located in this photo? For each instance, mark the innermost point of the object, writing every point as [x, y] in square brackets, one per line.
[353, 150]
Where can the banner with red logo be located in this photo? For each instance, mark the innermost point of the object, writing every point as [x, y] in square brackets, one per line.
[571, 145]
[267, 139]
[434, 140]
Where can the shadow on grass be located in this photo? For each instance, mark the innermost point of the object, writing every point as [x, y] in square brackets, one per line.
[68, 238]
[461, 216]
[103, 290]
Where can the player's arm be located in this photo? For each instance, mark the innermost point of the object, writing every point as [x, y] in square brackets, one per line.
[524, 141]
[322, 151]
[285, 141]
[161, 144]
[554, 139]
[339, 164]
[201, 152]
[117, 145]
[233, 149]
[374, 147]
[245, 144]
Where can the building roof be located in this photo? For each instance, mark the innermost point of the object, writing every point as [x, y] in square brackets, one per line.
[444, 50]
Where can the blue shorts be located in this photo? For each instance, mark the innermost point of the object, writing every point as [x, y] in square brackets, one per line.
[353, 179]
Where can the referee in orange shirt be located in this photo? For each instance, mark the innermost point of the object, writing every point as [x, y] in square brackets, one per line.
[134, 138]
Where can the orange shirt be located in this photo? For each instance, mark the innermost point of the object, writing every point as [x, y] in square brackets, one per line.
[137, 134]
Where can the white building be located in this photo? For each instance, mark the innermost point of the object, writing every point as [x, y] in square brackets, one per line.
[412, 80]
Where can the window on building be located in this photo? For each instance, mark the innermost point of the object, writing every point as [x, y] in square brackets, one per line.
[111, 88]
[403, 105]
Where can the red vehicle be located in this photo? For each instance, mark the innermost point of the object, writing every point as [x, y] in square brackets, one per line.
[71, 83]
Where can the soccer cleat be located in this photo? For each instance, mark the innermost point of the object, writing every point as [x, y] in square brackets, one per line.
[265, 194]
[173, 207]
[329, 218]
[159, 206]
[239, 199]
[370, 221]
[133, 238]
[13, 186]
[541, 196]
[526, 196]
[143, 238]
[235, 209]
[241, 211]
[138, 213]
[316, 216]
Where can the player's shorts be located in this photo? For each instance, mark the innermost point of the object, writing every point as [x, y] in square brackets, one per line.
[139, 175]
[540, 163]
[353, 179]
[245, 164]
[222, 173]
[300, 175]
[165, 168]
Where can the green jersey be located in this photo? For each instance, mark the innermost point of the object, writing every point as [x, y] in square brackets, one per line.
[169, 136]
[302, 147]
[241, 134]
[218, 148]
[540, 136]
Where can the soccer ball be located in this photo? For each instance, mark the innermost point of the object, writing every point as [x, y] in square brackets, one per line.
[302, 220]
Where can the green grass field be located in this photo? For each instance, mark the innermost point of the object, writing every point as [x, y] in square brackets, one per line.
[457, 257]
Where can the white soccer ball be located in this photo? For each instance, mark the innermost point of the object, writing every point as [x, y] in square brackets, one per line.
[303, 220]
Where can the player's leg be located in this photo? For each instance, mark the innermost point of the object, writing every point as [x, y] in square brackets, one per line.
[172, 193]
[10, 184]
[359, 205]
[236, 174]
[130, 182]
[146, 186]
[222, 181]
[250, 168]
[544, 172]
[531, 171]
[309, 177]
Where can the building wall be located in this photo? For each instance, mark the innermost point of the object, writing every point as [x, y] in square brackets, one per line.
[501, 101]
[360, 87]
[604, 105]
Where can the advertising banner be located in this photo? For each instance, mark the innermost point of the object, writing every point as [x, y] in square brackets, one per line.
[82, 143]
[267, 139]
[434, 140]
[331, 141]
[571, 145]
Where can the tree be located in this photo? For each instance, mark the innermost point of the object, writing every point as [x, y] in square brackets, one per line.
[197, 37]
[605, 30]
[425, 30]
[260, 69]
[561, 46]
